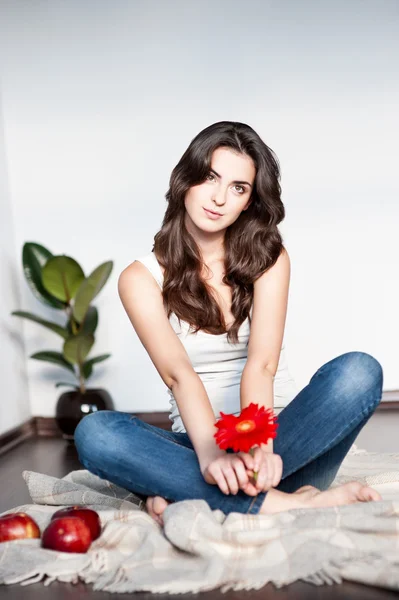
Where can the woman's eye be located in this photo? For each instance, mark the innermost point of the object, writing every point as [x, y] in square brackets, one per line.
[242, 189]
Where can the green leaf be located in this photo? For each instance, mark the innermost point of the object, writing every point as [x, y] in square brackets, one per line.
[53, 326]
[89, 289]
[90, 322]
[88, 365]
[62, 276]
[34, 257]
[60, 383]
[77, 347]
[97, 359]
[53, 357]
[87, 370]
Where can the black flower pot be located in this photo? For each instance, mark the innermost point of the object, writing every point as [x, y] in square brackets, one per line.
[72, 406]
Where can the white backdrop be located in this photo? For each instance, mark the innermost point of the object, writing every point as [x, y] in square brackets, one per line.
[100, 100]
[14, 401]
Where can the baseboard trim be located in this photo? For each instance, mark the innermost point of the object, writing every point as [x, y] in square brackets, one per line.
[47, 426]
[15, 436]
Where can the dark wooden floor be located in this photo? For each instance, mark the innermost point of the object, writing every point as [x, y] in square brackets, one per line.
[57, 457]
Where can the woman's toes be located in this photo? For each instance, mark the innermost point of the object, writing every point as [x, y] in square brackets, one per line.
[360, 492]
[155, 506]
[148, 504]
[159, 505]
[367, 494]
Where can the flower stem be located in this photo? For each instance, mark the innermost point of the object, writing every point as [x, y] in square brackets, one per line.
[252, 452]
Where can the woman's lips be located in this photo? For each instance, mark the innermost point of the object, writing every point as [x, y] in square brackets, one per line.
[212, 215]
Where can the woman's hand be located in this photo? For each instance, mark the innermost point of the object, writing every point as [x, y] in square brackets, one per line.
[269, 467]
[230, 473]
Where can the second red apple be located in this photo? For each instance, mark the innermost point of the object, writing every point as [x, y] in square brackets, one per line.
[89, 516]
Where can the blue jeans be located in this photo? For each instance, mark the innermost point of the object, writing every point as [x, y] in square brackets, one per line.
[316, 430]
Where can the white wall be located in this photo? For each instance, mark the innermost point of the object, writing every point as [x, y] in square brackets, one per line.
[101, 99]
[14, 398]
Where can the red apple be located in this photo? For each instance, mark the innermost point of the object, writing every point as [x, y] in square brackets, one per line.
[89, 516]
[16, 526]
[67, 534]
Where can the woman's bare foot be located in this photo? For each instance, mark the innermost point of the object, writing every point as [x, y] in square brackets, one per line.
[155, 506]
[307, 488]
[275, 501]
[349, 493]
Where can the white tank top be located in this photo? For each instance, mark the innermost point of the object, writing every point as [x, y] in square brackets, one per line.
[219, 363]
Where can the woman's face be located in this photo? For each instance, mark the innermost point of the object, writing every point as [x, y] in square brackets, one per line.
[227, 190]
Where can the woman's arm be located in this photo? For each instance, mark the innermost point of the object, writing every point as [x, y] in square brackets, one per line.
[257, 387]
[197, 415]
[142, 299]
[266, 337]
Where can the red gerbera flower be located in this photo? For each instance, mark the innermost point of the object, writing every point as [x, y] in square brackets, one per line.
[255, 425]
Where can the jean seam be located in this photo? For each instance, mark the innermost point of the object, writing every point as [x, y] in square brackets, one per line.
[332, 443]
[257, 500]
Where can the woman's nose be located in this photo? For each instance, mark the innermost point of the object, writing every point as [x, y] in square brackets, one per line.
[219, 197]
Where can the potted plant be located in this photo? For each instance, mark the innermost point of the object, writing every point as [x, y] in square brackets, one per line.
[59, 282]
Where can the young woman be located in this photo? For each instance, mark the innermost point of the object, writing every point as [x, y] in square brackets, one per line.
[209, 305]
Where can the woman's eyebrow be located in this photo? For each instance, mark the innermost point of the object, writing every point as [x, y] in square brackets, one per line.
[217, 175]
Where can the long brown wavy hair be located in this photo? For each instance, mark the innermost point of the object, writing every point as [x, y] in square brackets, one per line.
[252, 244]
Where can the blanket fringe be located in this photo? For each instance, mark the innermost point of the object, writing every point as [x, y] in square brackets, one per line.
[35, 579]
[237, 586]
[119, 582]
[48, 579]
[326, 575]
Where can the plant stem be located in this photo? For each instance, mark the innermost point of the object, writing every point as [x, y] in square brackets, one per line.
[74, 326]
[75, 331]
[82, 386]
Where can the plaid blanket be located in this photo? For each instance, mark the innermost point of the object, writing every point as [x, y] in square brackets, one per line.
[199, 549]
